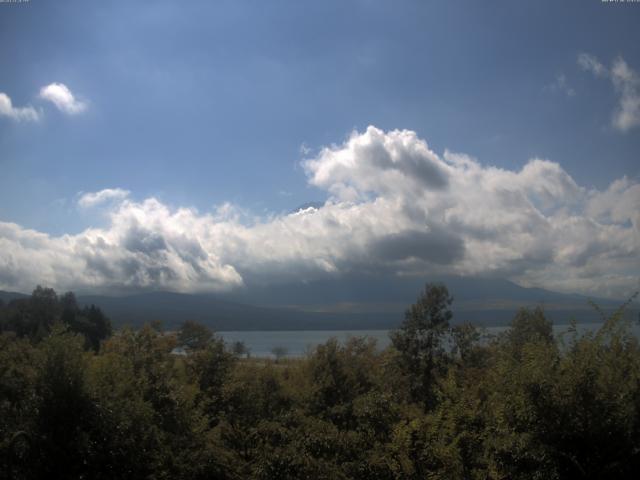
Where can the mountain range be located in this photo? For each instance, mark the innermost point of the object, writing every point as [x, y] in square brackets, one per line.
[347, 303]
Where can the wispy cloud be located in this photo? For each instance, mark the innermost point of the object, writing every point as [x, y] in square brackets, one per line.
[60, 95]
[91, 199]
[591, 64]
[27, 114]
[560, 84]
[394, 207]
[626, 83]
[304, 149]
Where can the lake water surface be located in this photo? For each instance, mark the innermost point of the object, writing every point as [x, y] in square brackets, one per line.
[297, 343]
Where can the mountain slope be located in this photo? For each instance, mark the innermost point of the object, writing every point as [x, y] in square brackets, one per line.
[6, 297]
[173, 308]
[347, 303]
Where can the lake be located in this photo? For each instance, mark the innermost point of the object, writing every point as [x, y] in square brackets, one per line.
[298, 342]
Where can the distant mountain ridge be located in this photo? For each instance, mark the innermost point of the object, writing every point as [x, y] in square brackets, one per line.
[349, 303]
[6, 297]
[367, 289]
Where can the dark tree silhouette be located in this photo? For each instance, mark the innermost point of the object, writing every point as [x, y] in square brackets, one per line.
[419, 341]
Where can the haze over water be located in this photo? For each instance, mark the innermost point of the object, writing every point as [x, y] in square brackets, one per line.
[299, 343]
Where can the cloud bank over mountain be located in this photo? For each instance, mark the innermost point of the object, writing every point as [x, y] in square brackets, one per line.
[394, 207]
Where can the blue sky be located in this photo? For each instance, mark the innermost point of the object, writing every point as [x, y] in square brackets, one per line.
[197, 104]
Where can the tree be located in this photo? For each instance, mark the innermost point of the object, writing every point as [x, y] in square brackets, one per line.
[279, 352]
[89, 321]
[69, 303]
[239, 349]
[65, 411]
[33, 317]
[209, 368]
[98, 326]
[419, 341]
[19, 362]
[529, 326]
[465, 337]
[338, 375]
[194, 336]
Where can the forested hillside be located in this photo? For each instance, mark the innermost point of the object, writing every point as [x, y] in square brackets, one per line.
[80, 401]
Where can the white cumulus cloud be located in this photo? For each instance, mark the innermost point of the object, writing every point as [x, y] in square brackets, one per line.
[91, 199]
[395, 207]
[28, 114]
[60, 95]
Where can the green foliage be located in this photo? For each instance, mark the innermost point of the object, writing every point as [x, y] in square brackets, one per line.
[194, 336]
[208, 369]
[528, 326]
[338, 375]
[35, 317]
[64, 409]
[465, 340]
[419, 341]
[19, 362]
[441, 403]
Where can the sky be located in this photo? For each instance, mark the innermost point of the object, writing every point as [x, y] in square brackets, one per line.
[169, 145]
